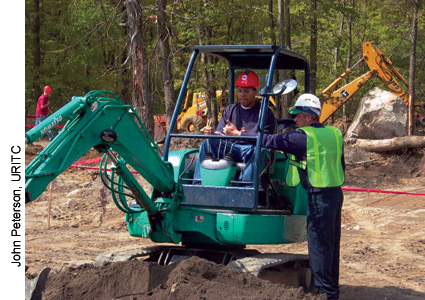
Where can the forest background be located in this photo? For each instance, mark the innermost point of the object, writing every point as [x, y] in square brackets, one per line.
[139, 49]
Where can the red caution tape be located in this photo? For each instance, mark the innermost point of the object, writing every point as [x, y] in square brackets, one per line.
[350, 189]
[85, 167]
[379, 191]
[89, 161]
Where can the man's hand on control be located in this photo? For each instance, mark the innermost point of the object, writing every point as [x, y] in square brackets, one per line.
[208, 130]
[230, 129]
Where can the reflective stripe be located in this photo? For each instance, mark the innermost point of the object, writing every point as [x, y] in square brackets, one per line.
[292, 175]
[301, 164]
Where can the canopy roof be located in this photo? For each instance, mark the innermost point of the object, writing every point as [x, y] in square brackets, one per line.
[256, 56]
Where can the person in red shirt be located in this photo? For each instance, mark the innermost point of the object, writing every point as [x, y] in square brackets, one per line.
[43, 108]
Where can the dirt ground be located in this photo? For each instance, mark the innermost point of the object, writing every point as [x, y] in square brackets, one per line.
[382, 247]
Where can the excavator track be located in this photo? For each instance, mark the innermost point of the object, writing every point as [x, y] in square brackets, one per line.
[289, 269]
[110, 257]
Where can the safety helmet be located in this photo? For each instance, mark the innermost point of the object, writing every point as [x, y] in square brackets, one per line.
[307, 103]
[47, 89]
[248, 79]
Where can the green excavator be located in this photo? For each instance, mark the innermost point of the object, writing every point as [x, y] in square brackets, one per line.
[217, 227]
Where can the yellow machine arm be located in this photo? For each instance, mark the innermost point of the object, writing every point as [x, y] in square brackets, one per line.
[379, 65]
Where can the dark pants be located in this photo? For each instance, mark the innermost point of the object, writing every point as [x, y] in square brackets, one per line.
[324, 235]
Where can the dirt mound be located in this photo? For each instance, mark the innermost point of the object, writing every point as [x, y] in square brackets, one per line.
[374, 170]
[32, 150]
[190, 279]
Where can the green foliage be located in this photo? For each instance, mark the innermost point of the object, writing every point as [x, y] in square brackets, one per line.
[83, 46]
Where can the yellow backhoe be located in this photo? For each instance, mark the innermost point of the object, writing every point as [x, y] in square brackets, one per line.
[380, 66]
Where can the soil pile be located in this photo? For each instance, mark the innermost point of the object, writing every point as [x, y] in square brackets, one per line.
[190, 279]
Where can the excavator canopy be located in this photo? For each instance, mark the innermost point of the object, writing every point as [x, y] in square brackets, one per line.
[256, 56]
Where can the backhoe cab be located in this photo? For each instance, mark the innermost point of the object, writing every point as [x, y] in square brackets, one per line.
[214, 220]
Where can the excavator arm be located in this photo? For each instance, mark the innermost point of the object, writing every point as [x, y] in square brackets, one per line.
[379, 66]
[101, 120]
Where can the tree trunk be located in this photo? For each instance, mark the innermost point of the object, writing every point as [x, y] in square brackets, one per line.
[280, 21]
[285, 40]
[350, 40]
[164, 34]
[272, 33]
[287, 25]
[142, 96]
[313, 47]
[37, 50]
[211, 92]
[204, 37]
[281, 36]
[411, 106]
[276, 76]
[388, 145]
[341, 28]
[205, 34]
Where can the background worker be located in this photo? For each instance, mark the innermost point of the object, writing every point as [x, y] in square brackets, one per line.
[318, 152]
[244, 115]
[43, 108]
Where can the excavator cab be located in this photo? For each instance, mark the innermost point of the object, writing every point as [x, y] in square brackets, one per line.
[219, 178]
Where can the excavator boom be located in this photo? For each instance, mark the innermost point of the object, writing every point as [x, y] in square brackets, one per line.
[99, 119]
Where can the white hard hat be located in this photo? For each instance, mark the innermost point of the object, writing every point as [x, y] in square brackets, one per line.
[307, 103]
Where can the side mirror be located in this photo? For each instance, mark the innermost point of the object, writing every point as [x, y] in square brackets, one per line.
[284, 87]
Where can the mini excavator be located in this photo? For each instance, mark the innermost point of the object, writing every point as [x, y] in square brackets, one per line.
[214, 220]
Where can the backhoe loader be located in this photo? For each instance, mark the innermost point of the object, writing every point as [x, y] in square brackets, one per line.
[177, 211]
[379, 66]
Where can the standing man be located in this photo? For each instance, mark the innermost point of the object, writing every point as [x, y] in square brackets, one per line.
[244, 115]
[318, 152]
[43, 108]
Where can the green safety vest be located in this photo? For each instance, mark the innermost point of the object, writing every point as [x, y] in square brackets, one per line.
[324, 151]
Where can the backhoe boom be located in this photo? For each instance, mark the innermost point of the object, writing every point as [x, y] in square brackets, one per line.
[379, 65]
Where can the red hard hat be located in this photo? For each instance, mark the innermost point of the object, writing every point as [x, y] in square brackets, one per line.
[47, 89]
[248, 79]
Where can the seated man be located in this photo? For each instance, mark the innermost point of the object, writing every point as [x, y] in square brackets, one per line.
[244, 116]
